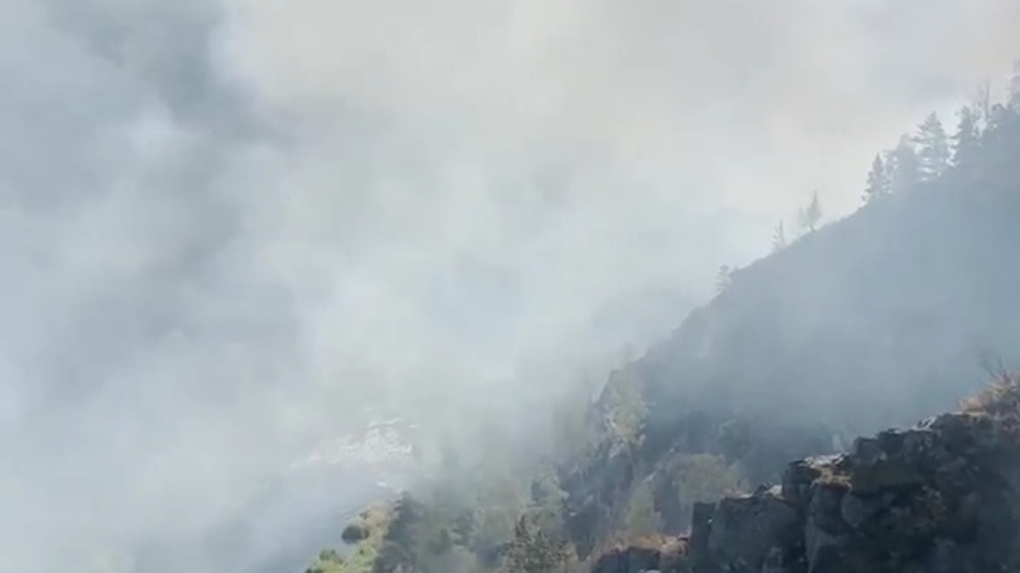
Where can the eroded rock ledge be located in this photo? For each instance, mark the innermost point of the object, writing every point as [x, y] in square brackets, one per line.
[942, 497]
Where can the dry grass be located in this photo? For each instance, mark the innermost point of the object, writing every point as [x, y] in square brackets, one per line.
[653, 542]
[1000, 399]
[828, 474]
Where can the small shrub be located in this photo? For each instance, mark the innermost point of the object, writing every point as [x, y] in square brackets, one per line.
[641, 519]
[354, 533]
[329, 561]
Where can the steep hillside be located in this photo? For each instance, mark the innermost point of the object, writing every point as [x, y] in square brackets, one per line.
[888, 313]
[887, 316]
[884, 317]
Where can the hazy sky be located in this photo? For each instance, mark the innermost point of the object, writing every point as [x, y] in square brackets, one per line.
[225, 223]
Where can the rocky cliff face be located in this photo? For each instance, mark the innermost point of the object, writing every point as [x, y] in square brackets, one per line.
[943, 496]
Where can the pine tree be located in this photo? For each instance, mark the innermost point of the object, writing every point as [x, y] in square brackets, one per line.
[811, 214]
[534, 551]
[903, 166]
[933, 151]
[723, 278]
[627, 408]
[779, 237]
[1001, 139]
[641, 519]
[983, 104]
[967, 138]
[1013, 96]
[998, 118]
[878, 181]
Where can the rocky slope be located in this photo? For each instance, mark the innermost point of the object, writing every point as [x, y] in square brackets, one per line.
[941, 497]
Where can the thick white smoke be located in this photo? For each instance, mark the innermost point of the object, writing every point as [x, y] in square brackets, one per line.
[230, 226]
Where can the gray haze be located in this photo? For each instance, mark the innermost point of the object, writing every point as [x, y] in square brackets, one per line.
[229, 226]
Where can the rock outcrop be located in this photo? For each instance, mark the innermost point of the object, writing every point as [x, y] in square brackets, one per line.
[941, 497]
[651, 554]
